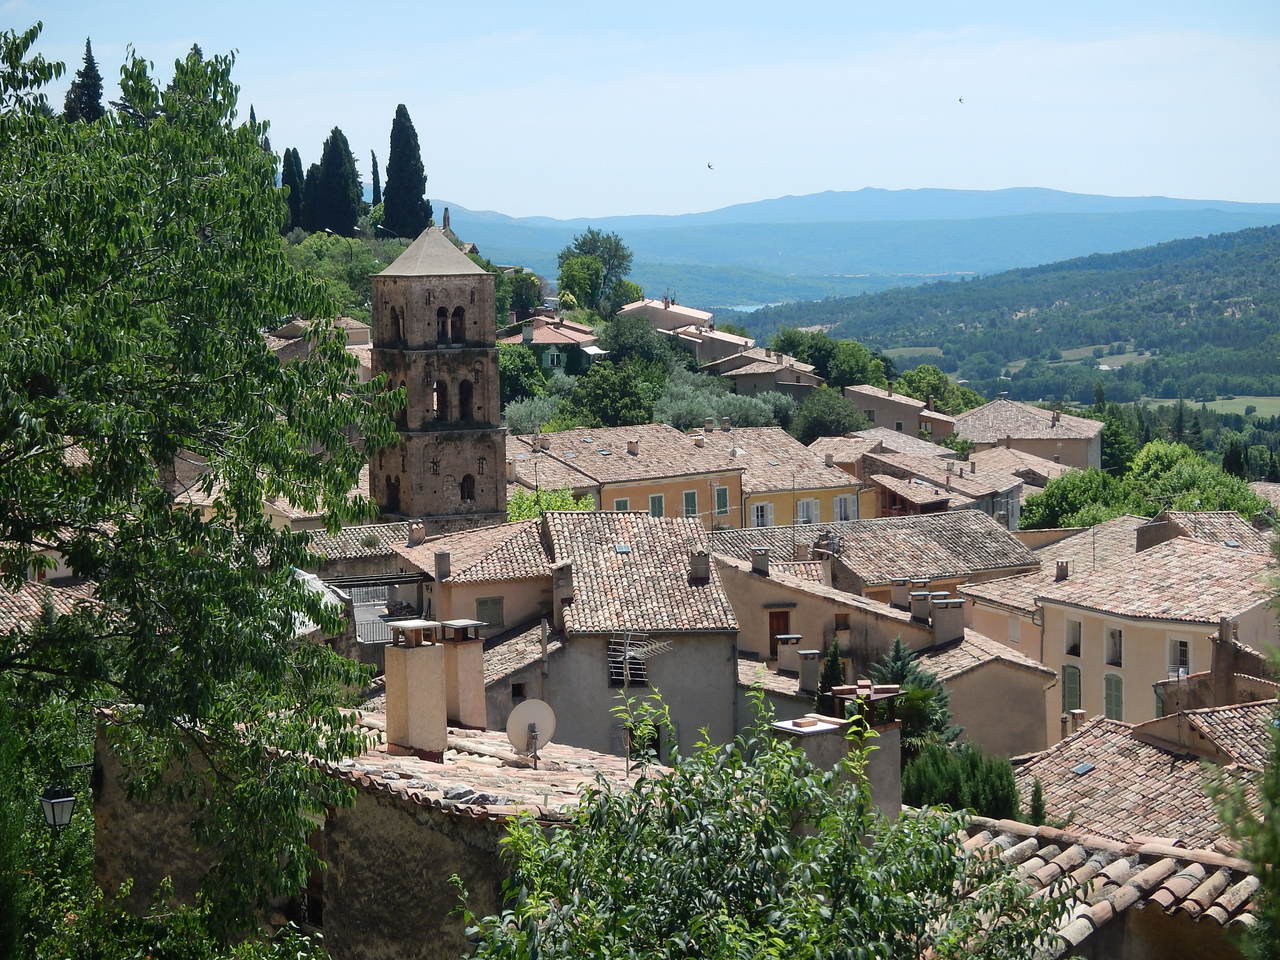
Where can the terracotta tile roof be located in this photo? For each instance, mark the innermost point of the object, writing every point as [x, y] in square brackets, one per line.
[1220, 526]
[771, 460]
[921, 493]
[22, 607]
[554, 330]
[810, 570]
[956, 543]
[1182, 580]
[1242, 730]
[1127, 788]
[967, 479]
[937, 417]
[541, 470]
[895, 442]
[663, 452]
[845, 449]
[756, 673]
[867, 390]
[504, 551]
[699, 332]
[950, 660]
[1267, 491]
[738, 361]
[353, 543]
[755, 367]
[1001, 459]
[992, 422]
[1109, 877]
[783, 578]
[1093, 547]
[677, 308]
[645, 588]
[432, 254]
[516, 649]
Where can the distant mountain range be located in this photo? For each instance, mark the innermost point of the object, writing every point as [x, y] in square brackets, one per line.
[841, 243]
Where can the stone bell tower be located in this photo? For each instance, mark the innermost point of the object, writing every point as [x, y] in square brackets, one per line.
[434, 333]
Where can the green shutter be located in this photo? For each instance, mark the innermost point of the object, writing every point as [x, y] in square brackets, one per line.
[1070, 688]
[1113, 696]
[691, 503]
[722, 500]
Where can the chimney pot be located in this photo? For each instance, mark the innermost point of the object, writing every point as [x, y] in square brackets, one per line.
[699, 440]
[760, 561]
[633, 446]
[415, 693]
[829, 459]
[443, 565]
[809, 663]
[709, 424]
[947, 619]
[1077, 716]
[1061, 571]
[417, 533]
[899, 593]
[726, 424]
[1008, 441]
[891, 388]
[526, 333]
[1057, 458]
[920, 605]
[973, 467]
[699, 566]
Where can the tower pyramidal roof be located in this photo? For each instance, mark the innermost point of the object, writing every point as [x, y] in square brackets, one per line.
[433, 254]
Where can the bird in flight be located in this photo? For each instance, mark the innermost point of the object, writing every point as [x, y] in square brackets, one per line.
[709, 166]
[962, 99]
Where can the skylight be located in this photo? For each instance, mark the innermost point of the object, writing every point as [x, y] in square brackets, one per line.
[1080, 769]
[622, 547]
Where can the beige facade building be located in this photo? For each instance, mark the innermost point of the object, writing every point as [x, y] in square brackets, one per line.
[666, 314]
[1047, 434]
[913, 485]
[706, 343]
[760, 370]
[434, 334]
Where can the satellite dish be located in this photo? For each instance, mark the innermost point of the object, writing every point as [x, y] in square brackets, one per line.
[531, 726]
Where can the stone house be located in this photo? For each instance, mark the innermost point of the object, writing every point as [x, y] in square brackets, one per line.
[1048, 434]
[899, 412]
[666, 314]
[559, 344]
[913, 485]
[706, 343]
[760, 370]
[1035, 472]
[891, 441]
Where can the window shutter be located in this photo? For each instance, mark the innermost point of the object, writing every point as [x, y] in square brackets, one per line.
[1113, 696]
[1070, 688]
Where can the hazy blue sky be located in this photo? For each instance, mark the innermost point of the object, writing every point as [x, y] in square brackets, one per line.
[585, 109]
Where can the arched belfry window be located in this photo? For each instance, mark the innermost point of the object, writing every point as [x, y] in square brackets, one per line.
[442, 325]
[397, 324]
[442, 400]
[466, 394]
[459, 325]
[468, 488]
[392, 490]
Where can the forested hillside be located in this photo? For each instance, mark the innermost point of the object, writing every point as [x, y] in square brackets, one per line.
[1189, 318]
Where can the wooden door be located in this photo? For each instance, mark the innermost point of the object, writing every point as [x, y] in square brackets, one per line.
[779, 623]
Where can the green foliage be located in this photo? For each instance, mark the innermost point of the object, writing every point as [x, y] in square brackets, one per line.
[377, 182]
[84, 98]
[840, 362]
[961, 778]
[615, 263]
[533, 414]
[747, 850]
[926, 382]
[292, 177]
[924, 705]
[583, 279]
[957, 443]
[345, 264]
[519, 372]
[616, 394]
[528, 504]
[152, 261]
[1067, 495]
[312, 202]
[338, 197]
[1119, 446]
[1233, 460]
[526, 294]
[624, 292]
[1035, 814]
[825, 412]
[831, 676]
[407, 211]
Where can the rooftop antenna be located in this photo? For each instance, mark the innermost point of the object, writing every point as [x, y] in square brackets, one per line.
[531, 725]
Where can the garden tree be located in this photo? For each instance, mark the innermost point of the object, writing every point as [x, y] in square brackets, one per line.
[1178, 429]
[825, 412]
[1233, 460]
[625, 291]
[311, 200]
[852, 363]
[1118, 445]
[923, 706]
[615, 264]
[406, 210]
[1065, 496]
[519, 372]
[151, 261]
[634, 338]
[616, 394]
[528, 504]
[926, 382]
[583, 279]
[84, 98]
[746, 850]
[832, 676]
[345, 264]
[291, 176]
[1035, 812]
[961, 778]
[338, 187]
[526, 294]
[737, 329]
[377, 179]
[532, 415]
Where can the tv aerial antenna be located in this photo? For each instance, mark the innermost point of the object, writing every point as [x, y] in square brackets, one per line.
[530, 727]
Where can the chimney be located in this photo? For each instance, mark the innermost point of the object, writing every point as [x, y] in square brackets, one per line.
[1008, 441]
[526, 333]
[1057, 458]
[709, 424]
[699, 566]
[920, 606]
[443, 565]
[899, 593]
[561, 590]
[1057, 415]
[417, 533]
[829, 459]
[465, 703]
[415, 693]
[809, 663]
[726, 424]
[948, 483]
[1222, 666]
[1061, 570]
[891, 388]
[973, 466]
[544, 443]
[633, 446]
[1077, 717]
[511, 471]
[699, 440]
[666, 303]
[760, 560]
[446, 218]
[948, 619]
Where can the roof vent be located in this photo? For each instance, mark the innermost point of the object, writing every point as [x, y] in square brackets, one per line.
[1231, 543]
[622, 548]
[1080, 769]
[604, 453]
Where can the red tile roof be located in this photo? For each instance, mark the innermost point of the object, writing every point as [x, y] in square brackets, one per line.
[1220, 526]
[950, 660]
[994, 421]
[504, 551]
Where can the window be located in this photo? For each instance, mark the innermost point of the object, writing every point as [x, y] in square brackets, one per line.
[1113, 696]
[1179, 656]
[807, 511]
[517, 692]
[442, 325]
[622, 504]
[1015, 631]
[489, 611]
[870, 415]
[442, 400]
[846, 507]
[467, 490]
[762, 515]
[722, 500]
[927, 427]
[842, 621]
[656, 506]
[691, 503]
[897, 425]
[1073, 638]
[465, 394]
[1115, 647]
[458, 325]
[555, 359]
[1070, 688]
[435, 467]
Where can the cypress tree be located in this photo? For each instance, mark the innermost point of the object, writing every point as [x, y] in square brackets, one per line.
[338, 187]
[1233, 460]
[832, 675]
[1036, 815]
[377, 182]
[291, 176]
[84, 98]
[311, 200]
[406, 211]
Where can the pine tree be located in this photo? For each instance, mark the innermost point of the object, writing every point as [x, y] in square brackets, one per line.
[84, 98]
[406, 209]
[832, 676]
[1178, 431]
[291, 176]
[1273, 474]
[311, 200]
[1195, 432]
[377, 181]
[338, 187]
[1233, 460]
[1036, 814]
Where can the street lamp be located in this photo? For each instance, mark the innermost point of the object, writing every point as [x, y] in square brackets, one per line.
[378, 226]
[58, 804]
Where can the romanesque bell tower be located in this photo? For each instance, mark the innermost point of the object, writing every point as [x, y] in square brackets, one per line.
[434, 333]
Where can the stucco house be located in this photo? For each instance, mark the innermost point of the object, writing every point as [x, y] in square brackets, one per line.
[899, 412]
[912, 485]
[1048, 434]
[666, 314]
[559, 344]
[759, 370]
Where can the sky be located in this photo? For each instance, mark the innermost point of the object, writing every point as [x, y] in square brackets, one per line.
[570, 109]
